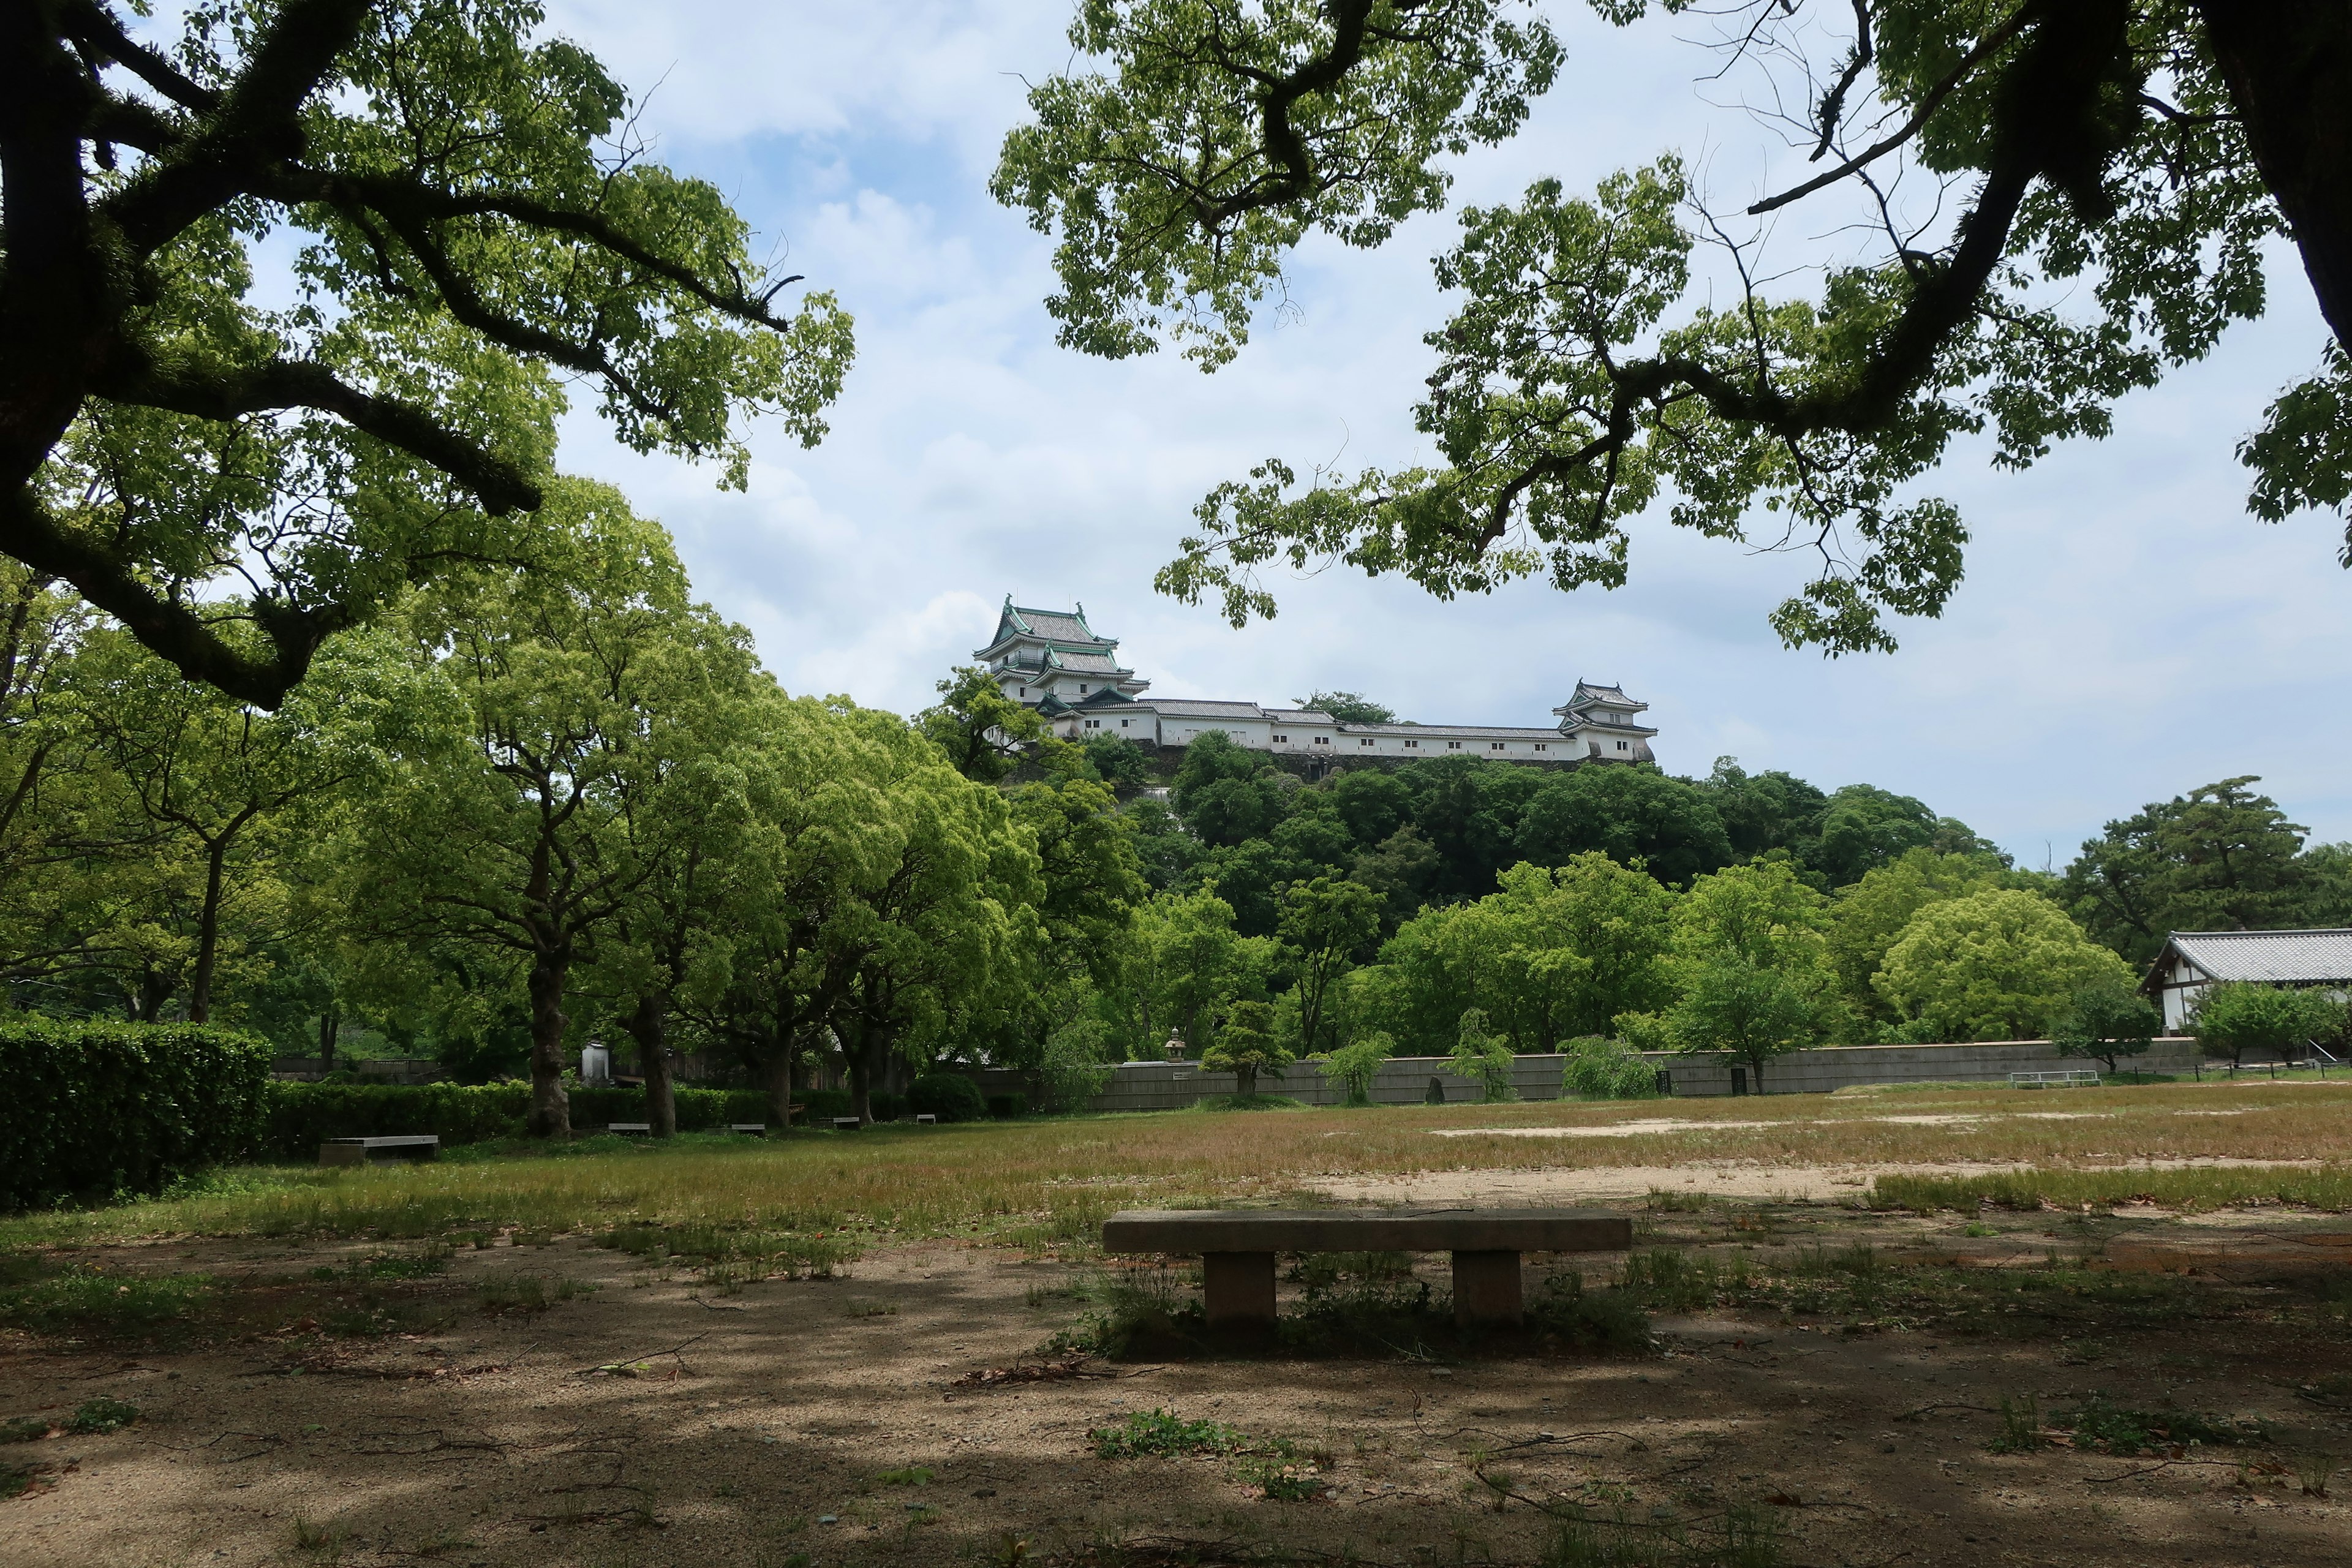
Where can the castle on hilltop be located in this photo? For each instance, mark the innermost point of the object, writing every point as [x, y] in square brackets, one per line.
[1051, 661]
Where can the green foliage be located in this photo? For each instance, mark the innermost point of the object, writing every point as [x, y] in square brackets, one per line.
[1227, 792]
[1118, 760]
[1601, 1069]
[1246, 1045]
[2106, 1021]
[1485, 1060]
[1751, 1012]
[2101, 1424]
[1073, 1069]
[1162, 1434]
[949, 1096]
[1870, 914]
[1994, 965]
[984, 733]
[98, 1110]
[459, 227]
[1636, 816]
[1354, 1065]
[1348, 707]
[1324, 925]
[2235, 1019]
[1190, 146]
[2219, 857]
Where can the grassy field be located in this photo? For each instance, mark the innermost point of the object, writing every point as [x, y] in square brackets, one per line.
[1050, 1181]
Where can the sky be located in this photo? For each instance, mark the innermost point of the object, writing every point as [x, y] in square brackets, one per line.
[2126, 633]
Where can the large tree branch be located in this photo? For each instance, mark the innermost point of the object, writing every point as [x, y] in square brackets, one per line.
[256, 123]
[231, 392]
[93, 27]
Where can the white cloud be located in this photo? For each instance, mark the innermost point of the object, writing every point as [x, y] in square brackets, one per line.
[2124, 634]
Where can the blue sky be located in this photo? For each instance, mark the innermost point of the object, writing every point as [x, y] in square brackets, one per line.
[2126, 631]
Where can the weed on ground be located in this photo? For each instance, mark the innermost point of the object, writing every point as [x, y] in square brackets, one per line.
[2188, 1191]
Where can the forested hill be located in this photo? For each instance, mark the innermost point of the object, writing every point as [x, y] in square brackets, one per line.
[1443, 830]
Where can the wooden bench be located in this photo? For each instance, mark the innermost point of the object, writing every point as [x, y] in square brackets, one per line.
[1237, 1248]
[370, 1151]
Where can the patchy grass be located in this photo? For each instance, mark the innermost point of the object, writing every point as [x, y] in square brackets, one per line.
[1046, 1184]
[2110, 1428]
[2190, 1189]
[1162, 1434]
[524, 1295]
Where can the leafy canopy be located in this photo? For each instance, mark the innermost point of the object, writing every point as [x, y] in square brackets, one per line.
[2098, 182]
[471, 228]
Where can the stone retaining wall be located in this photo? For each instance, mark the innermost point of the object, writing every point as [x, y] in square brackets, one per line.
[1407, 1080]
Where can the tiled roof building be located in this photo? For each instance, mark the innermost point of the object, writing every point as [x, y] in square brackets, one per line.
[1054, 662]
[2193, 960]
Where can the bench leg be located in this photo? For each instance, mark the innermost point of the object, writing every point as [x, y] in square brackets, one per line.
[1486, 1288]
[342, 1154]
[1237, 1287]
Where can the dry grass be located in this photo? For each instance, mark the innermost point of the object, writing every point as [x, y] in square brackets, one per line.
[1046, 1183]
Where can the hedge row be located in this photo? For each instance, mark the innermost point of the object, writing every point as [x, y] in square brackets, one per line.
[93, 1110]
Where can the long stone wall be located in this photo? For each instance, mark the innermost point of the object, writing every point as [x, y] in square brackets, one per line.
[1414, 1080]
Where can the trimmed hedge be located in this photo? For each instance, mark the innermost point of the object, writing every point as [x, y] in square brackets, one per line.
[94, 1110]
[304, 1115]
[949, 1096]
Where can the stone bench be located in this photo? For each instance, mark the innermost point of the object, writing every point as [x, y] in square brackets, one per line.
[846, 1124]
[748, 1129]
[369, 1151]
[643, 1127]
[1237, 1248]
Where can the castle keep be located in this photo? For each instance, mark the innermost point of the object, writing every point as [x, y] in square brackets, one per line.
[1053, 662]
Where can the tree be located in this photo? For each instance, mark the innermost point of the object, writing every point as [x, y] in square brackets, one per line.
[511, 835]
[1870, 915]
[1118, 760]
[1483, 1058]
[1995, 965]
[469, 222]
[1355, 1065]
[1752, 1012]
[2105, 1020]
[1631, 814]
[1767, 811]
[1350, 708]
[1323, 925]
[1758, 914]
[1226, 793]
[984, 733]
[1247, 1047]
[215, 772]
[1598, 1067]
[1864, 827]
[1186, 965]
[2219, 857]
[2147, 148]
[2237, 1017]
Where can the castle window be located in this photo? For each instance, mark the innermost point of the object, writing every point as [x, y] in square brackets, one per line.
[1368, 740]
[1621, 745]
[1322, 739]
[1540, 745]
[1495, 746]
[1082, 686]
[1452, 745]
[1122, 723]
[1282, 739]
[1412, 743]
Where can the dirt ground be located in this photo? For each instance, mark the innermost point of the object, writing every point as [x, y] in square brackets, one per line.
[850, 1420]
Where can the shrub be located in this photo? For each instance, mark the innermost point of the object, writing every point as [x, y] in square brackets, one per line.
[2105, 1020]
[1485, 1060]
[1008, 1107]
[2237, 1017]
[1073, 1070]
[1354, 1065]
[98, 1109]
[1600, 1068]
[823, 1105]
[949, 1096]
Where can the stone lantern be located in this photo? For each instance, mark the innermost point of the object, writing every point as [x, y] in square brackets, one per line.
[1175, 1048]
[596, 1063]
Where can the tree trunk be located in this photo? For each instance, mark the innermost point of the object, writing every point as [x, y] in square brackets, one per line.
[861, 1083]
[2289, 66]
[648, 1026]
[551, 1109]
[331, 1025]
[200, 989]
[780, 1085]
